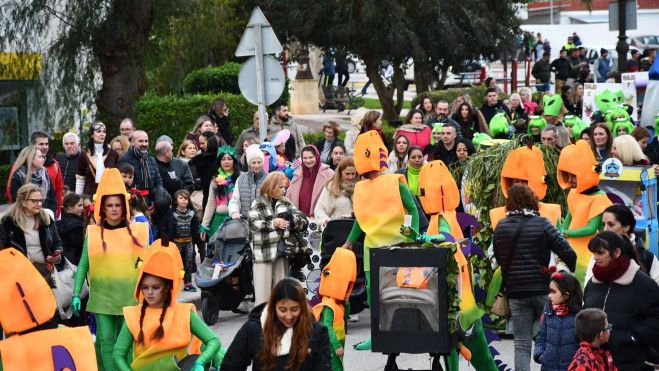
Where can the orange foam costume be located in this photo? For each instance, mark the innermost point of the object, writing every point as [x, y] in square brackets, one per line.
[336, 283]
[526, 164]
[27, 303]
[586, 203]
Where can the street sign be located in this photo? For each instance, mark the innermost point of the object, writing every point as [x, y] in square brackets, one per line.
[261, 78]
[274, 80]
[247, 44]
[630, 13]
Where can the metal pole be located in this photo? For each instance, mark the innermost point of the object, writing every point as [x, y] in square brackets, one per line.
[260, 83]
[551, 11]
[622, 48]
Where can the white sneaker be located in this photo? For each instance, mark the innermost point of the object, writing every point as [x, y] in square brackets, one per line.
[353, 318]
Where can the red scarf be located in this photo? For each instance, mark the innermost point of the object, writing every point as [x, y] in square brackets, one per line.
[560, 309]
[616, 268]
[308, 181]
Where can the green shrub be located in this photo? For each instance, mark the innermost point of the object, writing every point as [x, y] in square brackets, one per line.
[477, 95]
[176, 115]
[4, 176]
[213, 80]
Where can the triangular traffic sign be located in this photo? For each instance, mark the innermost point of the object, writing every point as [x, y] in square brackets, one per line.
[257, 17]
[270, 43]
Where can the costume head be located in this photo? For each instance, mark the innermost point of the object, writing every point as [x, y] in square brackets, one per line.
[339, 275]
[608, 100]
[499, 125]
[26, 301]
[480, 138]
[270, 156]
[551, 105]
[526, 164]
[536, 122]
[575, 124]
[436, 128]
[577, 159]
[111, 185]
[370, 153]
[622, 123]
[438, 191]
[164, 262]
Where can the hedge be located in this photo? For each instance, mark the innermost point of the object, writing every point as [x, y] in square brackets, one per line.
[4, 176]
[213, 80]
[477, 95]
[176, 115]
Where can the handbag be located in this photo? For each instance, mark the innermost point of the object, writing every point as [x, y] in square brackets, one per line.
[500, 306]
[63, 290]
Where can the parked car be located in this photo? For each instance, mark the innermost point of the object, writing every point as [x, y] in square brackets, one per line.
[461, 75]
[644, 42]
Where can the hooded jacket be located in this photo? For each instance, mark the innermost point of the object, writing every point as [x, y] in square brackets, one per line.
[247, 343]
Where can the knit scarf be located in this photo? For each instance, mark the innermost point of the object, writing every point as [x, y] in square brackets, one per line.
[413, 179]
[40, 178]
[614, 270]
[144, 167]
[560, 309]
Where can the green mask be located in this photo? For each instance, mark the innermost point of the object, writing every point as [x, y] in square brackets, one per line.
[536, 122]
[552, 104]
[608, 100]
[499, 125]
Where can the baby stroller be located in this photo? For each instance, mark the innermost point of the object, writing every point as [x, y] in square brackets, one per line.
[225, 275]
[334, 235]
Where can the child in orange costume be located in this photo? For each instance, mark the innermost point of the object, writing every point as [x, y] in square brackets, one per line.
[336, 284]
[34, 342]
[159, 329]
[578, 169]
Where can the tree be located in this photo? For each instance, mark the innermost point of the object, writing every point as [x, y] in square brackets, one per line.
[96, 50]
[435, 33]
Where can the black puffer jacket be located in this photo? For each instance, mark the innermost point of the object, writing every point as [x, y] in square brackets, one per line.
[537, 239]
[631, 304]
[246, 345]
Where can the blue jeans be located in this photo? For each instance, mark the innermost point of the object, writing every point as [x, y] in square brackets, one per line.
[524, 312]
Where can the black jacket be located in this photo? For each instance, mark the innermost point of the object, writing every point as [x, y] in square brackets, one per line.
[561, 67]
[489, 111]
[632, 306]
[537, 239]
[69, 166]
[204, 169]
[175, 175]
[71, 230]
[12, 235]
[156, 181]
[246, 346]
[222, 124]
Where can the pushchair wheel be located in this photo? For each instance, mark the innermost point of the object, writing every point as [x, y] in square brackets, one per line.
[210, 310]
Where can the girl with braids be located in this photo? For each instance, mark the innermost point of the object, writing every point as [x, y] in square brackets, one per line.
[98, 157]
[280, 335]
[159, 329]
[220, 192]
[111, 251]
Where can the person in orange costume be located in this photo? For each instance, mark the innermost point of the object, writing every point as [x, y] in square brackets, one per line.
[159, 329]
[34, 342]
[524, 165]
[578, 169]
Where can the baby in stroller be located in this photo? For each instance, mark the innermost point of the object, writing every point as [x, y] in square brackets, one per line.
[295, 246]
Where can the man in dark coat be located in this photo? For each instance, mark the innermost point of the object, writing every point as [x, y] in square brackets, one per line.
[68, 161]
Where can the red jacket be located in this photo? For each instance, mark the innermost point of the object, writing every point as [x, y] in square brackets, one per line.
[55, 172]
[588, 358]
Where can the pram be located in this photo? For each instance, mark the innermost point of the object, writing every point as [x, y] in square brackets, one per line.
[231, 261]
[334, 235]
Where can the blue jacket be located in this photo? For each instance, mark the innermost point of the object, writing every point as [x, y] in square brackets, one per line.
[556, 341]
[156, 181]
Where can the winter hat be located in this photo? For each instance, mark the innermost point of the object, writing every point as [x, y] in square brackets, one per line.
[602, 51]
[253, 152]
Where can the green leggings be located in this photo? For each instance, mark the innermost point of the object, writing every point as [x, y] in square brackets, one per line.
[108, 327]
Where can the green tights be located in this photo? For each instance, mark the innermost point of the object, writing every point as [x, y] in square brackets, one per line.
[108, 327]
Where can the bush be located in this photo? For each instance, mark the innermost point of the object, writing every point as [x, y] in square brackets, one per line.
[477, 95]
[4, 176]
[176, 115]
[213, 80]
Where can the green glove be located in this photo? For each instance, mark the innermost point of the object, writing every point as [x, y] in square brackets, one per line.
[431, 238]
[413, 233]
[76, 303]
[198, 367]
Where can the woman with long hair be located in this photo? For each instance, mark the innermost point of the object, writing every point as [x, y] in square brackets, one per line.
[629, 297]
[29, 169]
[458, 101]
[337, 153]
[221, 189]
[110, 255]
[517, 108]
[372, 120]
[120, 144]
[626, 149]
[97, 157]
[218, 112]
[574, 102]
[203, 124]
[204, 165]
[398, 156]
[470, 121]
[335, 200]
[415, 129]
[602, 142]
[30, 229]
[280, 335]
[428, 108]
[308, 180]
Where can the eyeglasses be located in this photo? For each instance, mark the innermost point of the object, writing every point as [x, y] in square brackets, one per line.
[608, 327]
[36, 201]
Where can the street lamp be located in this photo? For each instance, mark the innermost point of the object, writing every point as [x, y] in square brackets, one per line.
[622, 48]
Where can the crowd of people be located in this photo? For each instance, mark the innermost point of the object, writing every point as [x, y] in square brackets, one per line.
[111, 209]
